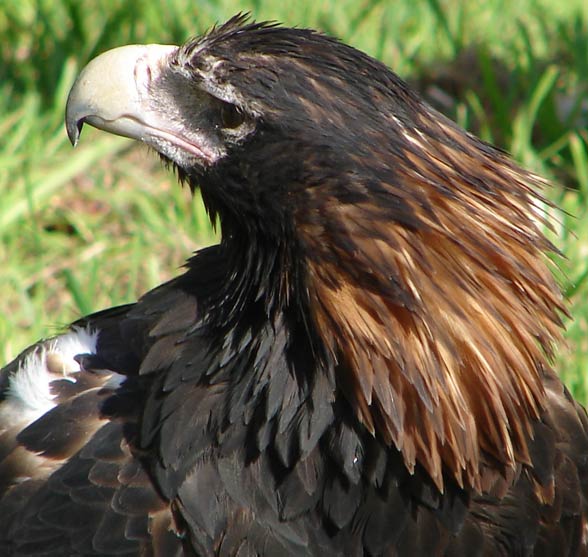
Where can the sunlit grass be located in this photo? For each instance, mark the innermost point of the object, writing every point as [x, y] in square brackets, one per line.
[96, 226]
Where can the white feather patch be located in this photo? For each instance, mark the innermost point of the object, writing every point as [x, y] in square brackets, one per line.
[29, 393]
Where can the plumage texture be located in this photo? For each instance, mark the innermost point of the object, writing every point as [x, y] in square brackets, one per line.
[360, 367]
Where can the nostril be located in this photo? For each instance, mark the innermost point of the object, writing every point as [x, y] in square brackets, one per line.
[143, 74]
[150, 64]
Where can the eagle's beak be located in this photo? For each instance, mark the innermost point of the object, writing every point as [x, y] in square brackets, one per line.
[112, 91]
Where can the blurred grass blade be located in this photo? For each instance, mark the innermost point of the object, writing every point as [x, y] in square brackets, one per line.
[580, 158]
[46, 182]
[527, 117]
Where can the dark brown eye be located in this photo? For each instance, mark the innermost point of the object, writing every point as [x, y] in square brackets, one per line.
[231, 116]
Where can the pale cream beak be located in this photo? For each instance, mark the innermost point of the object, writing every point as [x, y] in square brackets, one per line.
[112, 92]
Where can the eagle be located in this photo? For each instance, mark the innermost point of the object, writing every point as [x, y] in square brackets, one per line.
[361, 367]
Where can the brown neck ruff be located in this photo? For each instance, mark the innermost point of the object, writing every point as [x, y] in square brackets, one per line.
[442, 331]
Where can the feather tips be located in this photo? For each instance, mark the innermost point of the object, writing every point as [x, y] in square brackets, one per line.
[443, 329]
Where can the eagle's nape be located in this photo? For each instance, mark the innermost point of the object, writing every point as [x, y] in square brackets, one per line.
[362, 366]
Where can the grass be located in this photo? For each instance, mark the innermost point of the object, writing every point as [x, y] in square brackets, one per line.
[88, 228]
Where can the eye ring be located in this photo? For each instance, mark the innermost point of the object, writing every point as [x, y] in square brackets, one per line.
[231, 116]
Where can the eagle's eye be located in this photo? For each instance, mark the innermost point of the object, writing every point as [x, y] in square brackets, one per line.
[231, 116]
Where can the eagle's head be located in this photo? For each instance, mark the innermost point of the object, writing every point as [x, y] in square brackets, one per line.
[413, 250]
[257, 112]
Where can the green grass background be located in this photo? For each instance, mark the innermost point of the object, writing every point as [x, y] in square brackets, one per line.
[87, 228]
